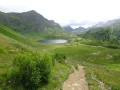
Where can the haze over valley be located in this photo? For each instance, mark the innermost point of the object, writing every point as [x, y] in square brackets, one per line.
[68, 13]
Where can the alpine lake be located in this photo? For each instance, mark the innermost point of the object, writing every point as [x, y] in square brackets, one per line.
[56, 41]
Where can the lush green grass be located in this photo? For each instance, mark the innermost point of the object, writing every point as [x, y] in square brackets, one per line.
[102, 63]
[76, 66]
[98, 61]
[91, 54]
[98, 43]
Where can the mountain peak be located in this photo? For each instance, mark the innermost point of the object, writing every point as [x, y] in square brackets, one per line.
[32, 11]
[80, 28]
[68, 28]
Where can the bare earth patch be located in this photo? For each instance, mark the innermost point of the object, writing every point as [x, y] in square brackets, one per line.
[76, 80]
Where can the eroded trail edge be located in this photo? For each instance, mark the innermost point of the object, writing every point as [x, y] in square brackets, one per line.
[76, 80]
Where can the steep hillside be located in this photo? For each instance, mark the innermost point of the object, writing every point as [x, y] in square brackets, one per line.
[31, 23]
[16, 37]
[11, 34]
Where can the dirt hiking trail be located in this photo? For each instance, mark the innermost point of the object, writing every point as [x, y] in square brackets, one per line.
[76, 80]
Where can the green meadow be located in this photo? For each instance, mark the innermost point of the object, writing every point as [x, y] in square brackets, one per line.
[100, 63]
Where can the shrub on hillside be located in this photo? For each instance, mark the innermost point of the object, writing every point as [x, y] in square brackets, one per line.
[60, 58]
[113, 46]
[30, 70]
[117, 59]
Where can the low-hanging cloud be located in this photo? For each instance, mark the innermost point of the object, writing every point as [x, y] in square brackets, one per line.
[82, 23]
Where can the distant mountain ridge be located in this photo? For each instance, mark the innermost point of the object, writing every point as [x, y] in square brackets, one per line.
[105, 24]
[109, 31]
[80, 28]
[99, 24]
[70, 29]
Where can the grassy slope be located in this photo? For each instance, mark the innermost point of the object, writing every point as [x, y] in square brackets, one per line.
[12, 34]
[47, 34]
[12, 43]
[98, 61]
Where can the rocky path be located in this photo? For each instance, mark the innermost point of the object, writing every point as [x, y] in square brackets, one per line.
[76, 80]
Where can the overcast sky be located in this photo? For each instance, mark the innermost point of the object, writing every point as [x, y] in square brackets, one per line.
[67, 12]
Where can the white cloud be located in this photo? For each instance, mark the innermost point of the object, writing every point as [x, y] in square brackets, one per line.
[67, 11]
